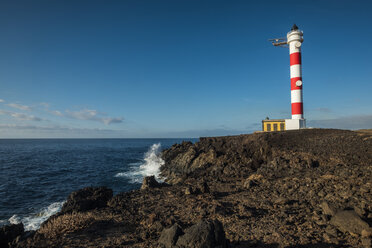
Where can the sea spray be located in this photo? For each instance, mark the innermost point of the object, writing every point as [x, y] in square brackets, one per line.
[34, 221]
[150, 166]
[152, 162]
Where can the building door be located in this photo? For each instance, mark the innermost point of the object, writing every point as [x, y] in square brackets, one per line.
[282, 126]
[268, 127]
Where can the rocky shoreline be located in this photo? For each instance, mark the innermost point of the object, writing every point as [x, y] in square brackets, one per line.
[305, 188]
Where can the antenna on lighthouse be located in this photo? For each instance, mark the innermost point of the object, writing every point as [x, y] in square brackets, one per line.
[281, 42]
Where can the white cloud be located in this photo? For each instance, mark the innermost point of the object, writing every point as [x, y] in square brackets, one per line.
[109, 121]
[56, 112]
[55, 131]
[19, 106]
[20, 116]
[45, 104]
[25, 117]
[3, 112]
[83, 114]
[52, 128]
[92, 115]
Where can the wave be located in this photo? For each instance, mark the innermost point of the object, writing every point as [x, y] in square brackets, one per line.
[34, 221]
[148, 167]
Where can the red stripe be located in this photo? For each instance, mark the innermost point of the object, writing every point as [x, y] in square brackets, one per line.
[295, 59]
[293, 83]
[297, 108]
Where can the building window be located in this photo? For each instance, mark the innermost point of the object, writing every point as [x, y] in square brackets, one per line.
[275, 127]
[268, 127]
[282, 126]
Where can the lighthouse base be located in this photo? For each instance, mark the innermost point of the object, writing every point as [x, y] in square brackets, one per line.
[295, 124]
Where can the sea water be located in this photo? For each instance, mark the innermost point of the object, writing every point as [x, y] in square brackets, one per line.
[37, 175]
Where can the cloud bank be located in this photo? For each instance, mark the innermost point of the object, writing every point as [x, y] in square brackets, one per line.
[84, 114]
[20, 116]
[19, 106]
[55, 131]
[347, 122]
[91, 115]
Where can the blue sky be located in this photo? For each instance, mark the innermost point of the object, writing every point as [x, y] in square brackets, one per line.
[178, 68]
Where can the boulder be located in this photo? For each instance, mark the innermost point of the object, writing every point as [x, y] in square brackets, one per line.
[150, 182]
[252, 180]
[206, 234]
[203, 187]
[189, 190]
[327, 209]
[310, 163]
[367, 233]
[367, 243]
[281, 201]
[9, 232]
[87, 199]
[349, 221]
[200, 188]
[249, 183]
[169, 236]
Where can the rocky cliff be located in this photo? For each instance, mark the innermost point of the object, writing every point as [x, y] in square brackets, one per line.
[305, 188]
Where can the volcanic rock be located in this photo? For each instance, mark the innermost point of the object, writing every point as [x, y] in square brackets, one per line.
[367, 233]
[150, 182]
[203, 187]
[366, 242]
[277, 189]
[169, 236]
[189, 190]
[86, 199]
[10, 232]
[207, 234]
[349, 221]
[327, 209]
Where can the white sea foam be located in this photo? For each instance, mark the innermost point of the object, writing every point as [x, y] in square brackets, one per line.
[150, 166]
[34, 221]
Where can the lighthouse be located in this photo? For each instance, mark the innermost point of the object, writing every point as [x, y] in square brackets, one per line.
[293, 41]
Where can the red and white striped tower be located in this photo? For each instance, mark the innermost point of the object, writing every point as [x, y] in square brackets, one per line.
[294, 41]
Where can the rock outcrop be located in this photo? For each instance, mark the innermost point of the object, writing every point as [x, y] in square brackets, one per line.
[205, 233]
[349, 221]
[235, 156]
[169, 236]
[150, 182]
[208, 234]
[305, 188]
[87, 199]
[9, 233]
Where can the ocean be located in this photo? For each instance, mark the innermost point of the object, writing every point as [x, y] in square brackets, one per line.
[37, 175]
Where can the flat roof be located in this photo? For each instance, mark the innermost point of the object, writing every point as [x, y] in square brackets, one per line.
[273, 120]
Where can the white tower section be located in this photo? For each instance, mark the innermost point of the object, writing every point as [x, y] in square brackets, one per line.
[294, 41]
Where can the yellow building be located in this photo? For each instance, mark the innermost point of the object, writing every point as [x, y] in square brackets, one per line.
[273, 125]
